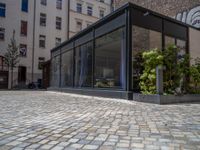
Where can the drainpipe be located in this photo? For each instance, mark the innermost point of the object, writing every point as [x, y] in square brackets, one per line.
[68, 19]
[33, 51]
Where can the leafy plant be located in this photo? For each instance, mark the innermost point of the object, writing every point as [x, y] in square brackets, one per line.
[176, 70]
[175, 73]
[195, 77]
[12, 56]
[151, 59]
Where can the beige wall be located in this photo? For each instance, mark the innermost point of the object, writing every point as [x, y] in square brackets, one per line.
[83, 17]
[194, 43]
[12, 21]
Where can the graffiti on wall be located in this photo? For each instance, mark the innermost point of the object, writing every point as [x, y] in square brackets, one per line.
[191, 17]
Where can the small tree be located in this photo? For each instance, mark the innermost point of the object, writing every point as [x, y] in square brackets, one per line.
[12, 56]
[151, 59]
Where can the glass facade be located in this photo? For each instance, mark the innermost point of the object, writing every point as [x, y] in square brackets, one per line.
[83, 65]
[109, 58]
[108, 54]
[67, 69]
[142, 40]
[55, 71]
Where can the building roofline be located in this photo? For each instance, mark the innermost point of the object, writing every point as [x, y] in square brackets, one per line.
[115, 14]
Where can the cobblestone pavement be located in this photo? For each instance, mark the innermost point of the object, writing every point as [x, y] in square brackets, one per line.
[50, 120]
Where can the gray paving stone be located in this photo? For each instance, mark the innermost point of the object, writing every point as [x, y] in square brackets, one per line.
[90, 147]
[52, 120]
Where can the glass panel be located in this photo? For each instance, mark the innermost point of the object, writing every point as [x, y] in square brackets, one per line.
[83, 73]
[67, 69]
[142, 40]
[109, 60]
[181, 46]
[55, 71]
[169, 41]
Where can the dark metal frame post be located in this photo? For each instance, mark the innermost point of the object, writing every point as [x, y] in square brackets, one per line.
[163, 36]
[93, 59]
[33, 50]
[60, 68]
[74, 58]
[128, 50]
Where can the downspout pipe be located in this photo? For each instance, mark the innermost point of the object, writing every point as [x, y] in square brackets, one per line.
[33, 51]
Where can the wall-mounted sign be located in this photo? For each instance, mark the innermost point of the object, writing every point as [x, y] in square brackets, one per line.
[191, 17]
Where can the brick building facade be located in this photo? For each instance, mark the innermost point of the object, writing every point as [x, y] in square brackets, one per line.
[167, 7]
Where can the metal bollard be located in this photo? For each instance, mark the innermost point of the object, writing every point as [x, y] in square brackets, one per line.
[159, 80]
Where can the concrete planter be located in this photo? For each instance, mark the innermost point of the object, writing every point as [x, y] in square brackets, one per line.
[167, 99]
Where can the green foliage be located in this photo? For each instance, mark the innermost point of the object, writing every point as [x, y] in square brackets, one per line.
[176, 70]
[12, 54]
[175, 73]
[151, 59]
[195, 77]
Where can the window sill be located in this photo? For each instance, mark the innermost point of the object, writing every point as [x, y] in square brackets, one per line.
[42, 47]
[23, 35]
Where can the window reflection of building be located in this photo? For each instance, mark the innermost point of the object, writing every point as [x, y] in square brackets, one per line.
[83, 65]
[109, 71]
[55, 71]
[67, 69]
[143, 40]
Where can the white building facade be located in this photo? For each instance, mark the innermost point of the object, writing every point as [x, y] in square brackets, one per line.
[39, 25]
[85, 12]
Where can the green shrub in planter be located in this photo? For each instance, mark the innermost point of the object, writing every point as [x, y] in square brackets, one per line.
[151, 59]
[195, 77]
[176, 70]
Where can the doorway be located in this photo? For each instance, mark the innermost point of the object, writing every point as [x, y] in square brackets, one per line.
[22, 75]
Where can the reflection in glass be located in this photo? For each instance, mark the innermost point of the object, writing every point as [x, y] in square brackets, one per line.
[109, 60]
[67, 69]
[142, 40]
[83, 65]
[55, 71]
[169, 41]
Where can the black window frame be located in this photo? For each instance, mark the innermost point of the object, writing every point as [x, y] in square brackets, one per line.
[42, 41]
[43, 2]
[2, 33]
[58, 23]
[2, 10]
[43, 19]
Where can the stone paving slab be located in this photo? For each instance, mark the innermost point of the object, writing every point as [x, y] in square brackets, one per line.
[50, 120]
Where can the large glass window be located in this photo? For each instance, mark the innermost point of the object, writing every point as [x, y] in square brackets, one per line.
[55, 71]
[67, 69]
[142, 40]
[109, 60]
[83, 65]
